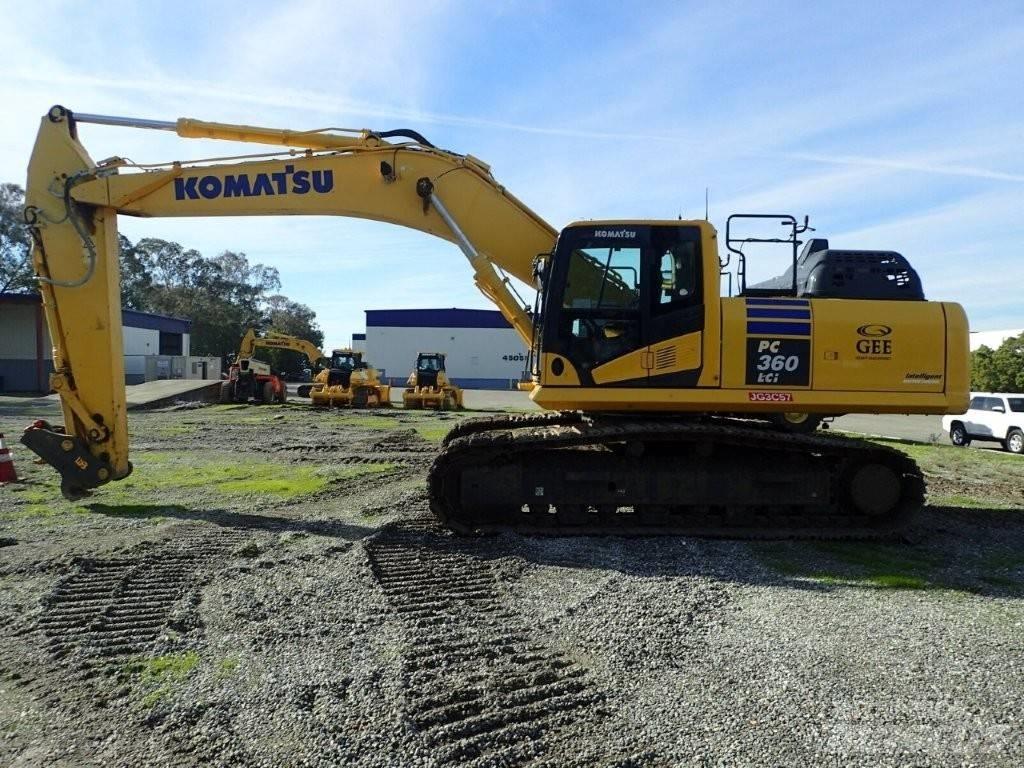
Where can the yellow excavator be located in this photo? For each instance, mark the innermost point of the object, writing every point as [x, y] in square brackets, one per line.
[252, 379]
[429, 386]
[657, 383]
[348, 382]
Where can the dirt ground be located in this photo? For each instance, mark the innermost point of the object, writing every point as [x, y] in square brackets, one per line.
[268, 588]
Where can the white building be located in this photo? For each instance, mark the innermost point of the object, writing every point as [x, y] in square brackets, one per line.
[992, 339]
[483, 350]
[155, 347]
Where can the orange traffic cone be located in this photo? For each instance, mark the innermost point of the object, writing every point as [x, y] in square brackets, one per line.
[7, 474]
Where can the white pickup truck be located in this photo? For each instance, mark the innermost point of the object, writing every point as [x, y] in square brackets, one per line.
[994, 416]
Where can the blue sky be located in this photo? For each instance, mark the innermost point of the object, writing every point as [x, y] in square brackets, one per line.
[894, 125]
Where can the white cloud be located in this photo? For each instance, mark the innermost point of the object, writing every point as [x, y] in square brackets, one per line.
[891, 133]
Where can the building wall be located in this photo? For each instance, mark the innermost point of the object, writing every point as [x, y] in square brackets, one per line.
[26, 360]
[26, 355]
[141, 341]
[478, 358]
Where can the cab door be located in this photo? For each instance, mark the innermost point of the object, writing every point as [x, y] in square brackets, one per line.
[674, 307]
[625, 305]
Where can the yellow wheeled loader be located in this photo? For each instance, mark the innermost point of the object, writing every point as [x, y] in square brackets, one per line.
[429, 386]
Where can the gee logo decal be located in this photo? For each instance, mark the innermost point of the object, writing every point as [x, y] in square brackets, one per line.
[287, 182]
[874, 342]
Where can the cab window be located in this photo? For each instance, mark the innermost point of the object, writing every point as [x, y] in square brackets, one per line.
[677, 275]
[1016, 404]
[603, 278]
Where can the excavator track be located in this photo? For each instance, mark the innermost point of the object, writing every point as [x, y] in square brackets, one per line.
[570, 474]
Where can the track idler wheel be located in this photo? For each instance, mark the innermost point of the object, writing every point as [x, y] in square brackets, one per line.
[874, 489]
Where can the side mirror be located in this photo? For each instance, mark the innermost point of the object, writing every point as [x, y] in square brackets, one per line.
[999, 409]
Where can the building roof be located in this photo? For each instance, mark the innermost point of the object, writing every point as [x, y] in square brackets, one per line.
[435, 318]
[131, 318]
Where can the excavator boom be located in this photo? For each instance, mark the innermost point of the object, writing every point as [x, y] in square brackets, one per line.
[251, 342]
[72, 204]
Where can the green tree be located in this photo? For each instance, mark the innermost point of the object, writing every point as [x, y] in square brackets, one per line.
[136, 281]
[223, 296]
[15, 242]
[1001, 369]
[294, 319]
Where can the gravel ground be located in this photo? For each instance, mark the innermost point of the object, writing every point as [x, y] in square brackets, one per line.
[271, 590]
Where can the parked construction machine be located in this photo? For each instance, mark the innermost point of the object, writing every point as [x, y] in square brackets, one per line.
[250, 379]
[642, 361]
[429, 386]
[348, 382]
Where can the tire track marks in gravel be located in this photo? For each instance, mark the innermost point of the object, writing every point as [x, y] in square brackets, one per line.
[481, 689]
[351, 460]
[112, 607]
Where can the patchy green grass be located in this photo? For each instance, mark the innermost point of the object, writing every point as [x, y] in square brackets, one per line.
[42, 503]
[226, 667]
[968, 502]
[175, 430]
[891, 566]
[897, 581]
[433, 432]
[301, 481]
[880, 557]
[967, 477]
[162, 476]
[164, 473]
[368, 422]
[937, 454]
[162, 673]
[173, 667]
[884, 566]
[878, 566]
[50, 514]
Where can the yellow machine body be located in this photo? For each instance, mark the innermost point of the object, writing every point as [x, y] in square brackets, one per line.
[251, 378]
[850, 355]
[428, 385]
[349, 383]
[757, 355]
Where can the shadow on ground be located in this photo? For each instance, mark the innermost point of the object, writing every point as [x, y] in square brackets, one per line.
[227, 519]
[972, 551]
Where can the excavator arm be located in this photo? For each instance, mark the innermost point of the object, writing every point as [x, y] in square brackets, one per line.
[251, 342]
[72, 204]
[282, 341]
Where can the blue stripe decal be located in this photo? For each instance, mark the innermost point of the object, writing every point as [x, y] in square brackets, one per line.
[778, 329]
[782, 314]
[778, 303]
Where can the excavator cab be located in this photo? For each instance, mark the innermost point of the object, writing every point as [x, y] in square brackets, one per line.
[612, 291]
